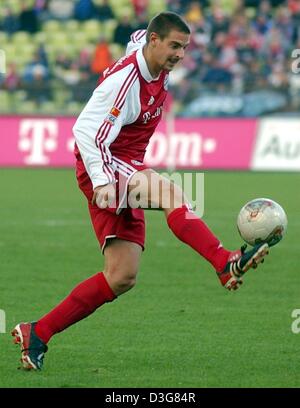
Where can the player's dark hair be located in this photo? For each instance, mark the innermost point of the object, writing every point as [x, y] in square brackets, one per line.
[165, 22]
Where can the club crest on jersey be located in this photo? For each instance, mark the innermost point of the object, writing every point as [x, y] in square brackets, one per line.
[115, 112]
[112, 116]
[166, 83]
[151, 101]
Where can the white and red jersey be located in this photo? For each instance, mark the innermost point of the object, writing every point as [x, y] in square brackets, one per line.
[121, 115]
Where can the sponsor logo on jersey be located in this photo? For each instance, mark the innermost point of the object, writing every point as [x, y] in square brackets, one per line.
[148, 116]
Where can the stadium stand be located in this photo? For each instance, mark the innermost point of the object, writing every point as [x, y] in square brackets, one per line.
[238, 63]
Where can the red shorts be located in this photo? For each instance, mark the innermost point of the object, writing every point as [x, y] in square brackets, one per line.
[127, 224]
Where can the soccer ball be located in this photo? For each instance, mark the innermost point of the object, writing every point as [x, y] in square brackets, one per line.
[262, 220]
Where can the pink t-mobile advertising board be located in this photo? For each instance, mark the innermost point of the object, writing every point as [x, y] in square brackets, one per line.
[195, 144]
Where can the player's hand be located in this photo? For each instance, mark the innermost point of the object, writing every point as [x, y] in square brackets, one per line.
[104, 196]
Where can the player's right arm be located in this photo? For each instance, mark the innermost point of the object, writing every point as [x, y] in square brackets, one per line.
[101, 120]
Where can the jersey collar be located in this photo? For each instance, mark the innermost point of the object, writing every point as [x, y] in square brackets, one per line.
[143, 66]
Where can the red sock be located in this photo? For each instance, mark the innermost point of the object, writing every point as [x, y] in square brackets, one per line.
[194, 232]
[84, 299]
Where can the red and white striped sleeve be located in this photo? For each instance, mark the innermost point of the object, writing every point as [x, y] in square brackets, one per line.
[111, 106]
[137, 40]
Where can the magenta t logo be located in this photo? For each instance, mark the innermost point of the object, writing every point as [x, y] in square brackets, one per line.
[37, 138]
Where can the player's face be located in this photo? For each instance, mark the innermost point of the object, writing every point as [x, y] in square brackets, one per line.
[169, 51]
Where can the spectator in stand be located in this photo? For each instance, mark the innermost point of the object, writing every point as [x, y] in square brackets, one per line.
[254, 40]
[218, 20]
[193, 13]
[294, 7]
[255, 78]
[36, 65]
[85, 86]
[278, 77]
[183, 5]
[104, 11]
[28, 19]
[219, 42]
[264, 9]
[69, 75]
[62, 61]
[10, 23]
[175, 6]
[256, 3]
[123, 31]
[85, 10]
[140, 7]
[42, 55]
[237, 29]
[84, 60]
[228, 56]
[217, 77]
[262, 24]
[200, 39]
[102, 57]
[283, 21]
[12, 80]
[38, 90]
[61, 9]
[41, 10]
[275, 46]
[141, 23]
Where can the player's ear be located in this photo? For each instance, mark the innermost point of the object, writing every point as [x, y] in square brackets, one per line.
[154, 37]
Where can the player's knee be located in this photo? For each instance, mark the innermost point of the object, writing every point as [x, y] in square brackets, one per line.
[121, 279]
[126, 283]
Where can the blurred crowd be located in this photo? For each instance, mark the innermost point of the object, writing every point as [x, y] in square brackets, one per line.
[237, 47]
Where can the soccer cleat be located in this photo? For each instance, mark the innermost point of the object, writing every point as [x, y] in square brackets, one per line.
[32, 348]
[239, 262]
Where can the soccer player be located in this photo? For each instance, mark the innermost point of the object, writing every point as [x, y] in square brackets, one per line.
[111, 134]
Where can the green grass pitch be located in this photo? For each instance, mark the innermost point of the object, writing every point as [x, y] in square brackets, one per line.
[178, 327]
